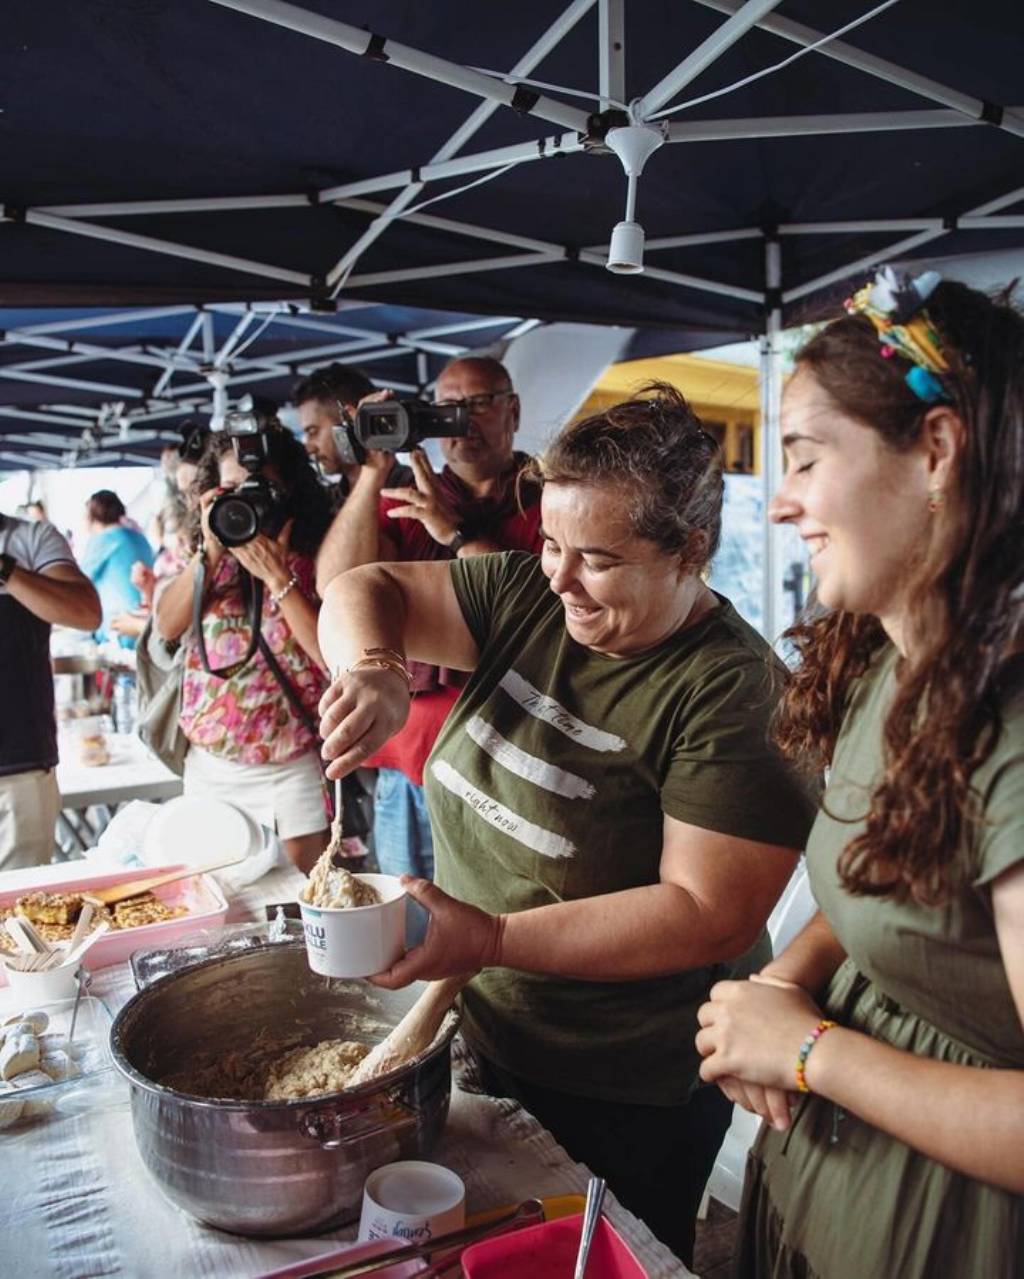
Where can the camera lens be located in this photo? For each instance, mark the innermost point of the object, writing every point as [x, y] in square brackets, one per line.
[234, 520]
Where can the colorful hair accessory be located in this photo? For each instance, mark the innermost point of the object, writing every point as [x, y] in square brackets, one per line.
[894, 303]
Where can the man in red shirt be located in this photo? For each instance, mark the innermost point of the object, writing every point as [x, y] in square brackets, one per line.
[473, 507]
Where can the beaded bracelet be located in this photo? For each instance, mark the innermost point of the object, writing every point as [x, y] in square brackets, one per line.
[289, 586]
[805, 1052]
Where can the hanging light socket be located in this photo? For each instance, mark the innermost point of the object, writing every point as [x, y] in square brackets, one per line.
[634, 144]
[626, 251]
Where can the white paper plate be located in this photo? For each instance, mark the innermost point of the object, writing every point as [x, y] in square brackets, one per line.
[194, 832]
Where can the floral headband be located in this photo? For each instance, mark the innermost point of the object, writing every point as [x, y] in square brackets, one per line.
[894, 303]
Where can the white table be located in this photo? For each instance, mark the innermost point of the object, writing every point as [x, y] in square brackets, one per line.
[133, 773]
[77, 1201]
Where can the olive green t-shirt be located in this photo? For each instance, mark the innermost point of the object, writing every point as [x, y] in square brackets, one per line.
[940, 963]
[549, 782]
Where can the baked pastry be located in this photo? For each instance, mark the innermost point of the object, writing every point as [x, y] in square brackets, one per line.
[20, 1052]
[49, 908]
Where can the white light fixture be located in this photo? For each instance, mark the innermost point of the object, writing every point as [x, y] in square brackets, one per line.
[634, 144]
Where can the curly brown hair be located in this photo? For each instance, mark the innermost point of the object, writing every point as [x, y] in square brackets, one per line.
[944, 718]
[654, 449]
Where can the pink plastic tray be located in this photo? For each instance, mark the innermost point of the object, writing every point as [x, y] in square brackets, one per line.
[199, 894]
[548, 1251]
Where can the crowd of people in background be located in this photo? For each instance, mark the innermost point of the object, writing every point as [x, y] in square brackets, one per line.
[613, 776]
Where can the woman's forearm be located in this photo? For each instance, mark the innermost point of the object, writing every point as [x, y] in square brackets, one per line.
[811, 959]
[301, 614]
[624, 936]
[970, 1119]
[362, 608]
[172, 610]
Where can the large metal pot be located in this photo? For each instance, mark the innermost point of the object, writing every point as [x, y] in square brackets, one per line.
[272, 1168]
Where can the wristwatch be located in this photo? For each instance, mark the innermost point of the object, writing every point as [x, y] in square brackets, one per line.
[462, 536]
[7, 566]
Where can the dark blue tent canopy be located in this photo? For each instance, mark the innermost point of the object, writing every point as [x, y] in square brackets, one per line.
[168, 153]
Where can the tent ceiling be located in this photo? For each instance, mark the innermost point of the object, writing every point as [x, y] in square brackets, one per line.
[215, 151]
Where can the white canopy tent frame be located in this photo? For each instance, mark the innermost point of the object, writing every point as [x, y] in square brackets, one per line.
[956, 110]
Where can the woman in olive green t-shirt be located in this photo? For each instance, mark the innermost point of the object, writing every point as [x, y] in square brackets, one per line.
[903, 1001]
[611, 824]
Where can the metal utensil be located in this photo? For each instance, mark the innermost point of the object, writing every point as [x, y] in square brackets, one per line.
[591, 1216]
[83, 979]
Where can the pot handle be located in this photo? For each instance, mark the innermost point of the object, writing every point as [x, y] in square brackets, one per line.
[335, 1127]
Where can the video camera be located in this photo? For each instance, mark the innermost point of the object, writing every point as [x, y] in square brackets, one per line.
[256, 506]
[396, 426]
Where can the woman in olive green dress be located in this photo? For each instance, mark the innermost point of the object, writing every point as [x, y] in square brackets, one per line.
[899, 1009]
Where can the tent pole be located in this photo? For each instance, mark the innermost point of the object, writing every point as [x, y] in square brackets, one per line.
[904, 246]
[774, 619]
[840, 51]
[747, 15]
[368, 44]
[105, 321]
[529, 62]
[92, 231]
[611, 52]
[786, 126]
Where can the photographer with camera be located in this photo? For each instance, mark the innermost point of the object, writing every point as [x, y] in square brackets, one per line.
[247, 601]
[474, 506]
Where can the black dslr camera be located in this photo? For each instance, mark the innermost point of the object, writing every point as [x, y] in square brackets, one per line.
[396, 426]
[256, 506]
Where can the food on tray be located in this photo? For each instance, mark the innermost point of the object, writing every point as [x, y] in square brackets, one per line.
[33, 1018]
[49, 908]
[19, 1053]
[335, 888]
[266, 1073]
[31, 1059]
[54, 914]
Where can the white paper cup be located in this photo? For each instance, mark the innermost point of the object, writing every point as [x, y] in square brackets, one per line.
[412, 1200]
[357, 941]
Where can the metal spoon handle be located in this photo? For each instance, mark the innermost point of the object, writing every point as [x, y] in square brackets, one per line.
[591, 1216]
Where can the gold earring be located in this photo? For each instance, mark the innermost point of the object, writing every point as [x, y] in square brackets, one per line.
[935, 498]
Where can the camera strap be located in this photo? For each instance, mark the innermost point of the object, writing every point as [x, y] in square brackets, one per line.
[252, 595]
[353, 819]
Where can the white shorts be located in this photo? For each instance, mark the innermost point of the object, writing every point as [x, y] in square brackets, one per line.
[29, 804]
[286, 798]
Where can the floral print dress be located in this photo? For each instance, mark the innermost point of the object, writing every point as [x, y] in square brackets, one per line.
[246, 717]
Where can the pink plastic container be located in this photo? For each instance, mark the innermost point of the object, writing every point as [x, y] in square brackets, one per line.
[548, 1251]
[199, 894]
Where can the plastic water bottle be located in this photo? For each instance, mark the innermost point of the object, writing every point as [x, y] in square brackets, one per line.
[124, 704]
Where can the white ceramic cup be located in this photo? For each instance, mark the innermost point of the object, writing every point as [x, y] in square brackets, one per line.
[357, 941]
[412, 1200]
[43, 987]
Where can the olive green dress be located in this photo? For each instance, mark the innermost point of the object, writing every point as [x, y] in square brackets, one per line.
[835, 1198]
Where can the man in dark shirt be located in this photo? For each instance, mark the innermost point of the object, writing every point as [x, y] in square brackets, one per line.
[472, 507]
[40, 584]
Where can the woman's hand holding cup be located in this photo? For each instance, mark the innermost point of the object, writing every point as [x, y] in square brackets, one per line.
[460, 939]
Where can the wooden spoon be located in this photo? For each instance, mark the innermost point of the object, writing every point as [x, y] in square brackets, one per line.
[121, 892]
[414, 1033]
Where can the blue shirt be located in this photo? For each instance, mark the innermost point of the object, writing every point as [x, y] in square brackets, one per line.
[108, 562]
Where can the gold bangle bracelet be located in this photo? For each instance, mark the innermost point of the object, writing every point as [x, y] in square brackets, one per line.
[384, 664]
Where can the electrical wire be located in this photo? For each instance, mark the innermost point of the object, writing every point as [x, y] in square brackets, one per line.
[778, 66]
[404, 213]
[509, 77]
[445, 195]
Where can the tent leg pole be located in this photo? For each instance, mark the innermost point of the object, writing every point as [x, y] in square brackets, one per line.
[773, 617]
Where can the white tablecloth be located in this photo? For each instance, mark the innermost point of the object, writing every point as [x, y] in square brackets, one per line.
[76, 1200]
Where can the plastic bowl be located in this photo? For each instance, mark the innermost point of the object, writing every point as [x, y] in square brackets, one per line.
[357, 941]
[548, 1251]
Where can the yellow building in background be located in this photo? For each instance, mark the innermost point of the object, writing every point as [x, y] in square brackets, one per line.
[724, 395]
